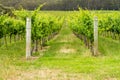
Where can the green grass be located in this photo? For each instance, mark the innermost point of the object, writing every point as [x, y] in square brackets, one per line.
[65, 53]
[109, 47]
[98, 67]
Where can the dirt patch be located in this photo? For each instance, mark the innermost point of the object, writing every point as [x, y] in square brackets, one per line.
[47, 74]
[64, 40]
[67, 38]
[67, 50]
[43, 74]
[111, 79]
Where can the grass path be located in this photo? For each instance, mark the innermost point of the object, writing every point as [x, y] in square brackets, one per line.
[69, 55]
[66, 44]
[65, 59]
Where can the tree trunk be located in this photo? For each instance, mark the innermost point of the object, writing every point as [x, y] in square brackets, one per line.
[91, 48]
[0, 42]
[10, 38]
[14, 38]
[36, 45]
[41, 43]
[5, 41]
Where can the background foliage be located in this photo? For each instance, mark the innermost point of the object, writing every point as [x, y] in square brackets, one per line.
[63, 4]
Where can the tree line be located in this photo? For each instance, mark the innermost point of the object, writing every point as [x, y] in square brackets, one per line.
[63, 4]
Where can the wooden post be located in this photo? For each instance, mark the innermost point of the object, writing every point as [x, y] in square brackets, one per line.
[95, 36]
[28, 38]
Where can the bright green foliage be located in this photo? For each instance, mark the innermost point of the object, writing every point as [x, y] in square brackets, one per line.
[22, 14]
[110, 22]
[2, 18]
[14, 26]
[45, 25]
[11, 26]
[82, 23]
